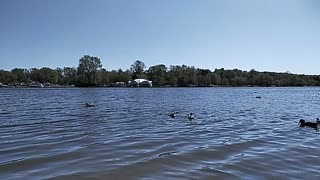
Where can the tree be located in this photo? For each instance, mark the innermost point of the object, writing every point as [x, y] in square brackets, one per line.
[203, 77]
[21, 74]
[88, 70]
[137, 69]
[252, 73]
[124, 76]
[238, 81]
[35, 75]
[157, 74]
[48, 75]
[7, 77]
[60, 74]
[69, 75]
[215, 79]
[262, 79]
[105, 77]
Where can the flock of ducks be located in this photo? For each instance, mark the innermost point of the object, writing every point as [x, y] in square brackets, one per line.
[302, 122]
[174, 115]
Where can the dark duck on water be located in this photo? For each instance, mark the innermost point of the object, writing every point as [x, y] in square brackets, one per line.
[90, 105]
[190, 116]
[173, 114]
[315, 125]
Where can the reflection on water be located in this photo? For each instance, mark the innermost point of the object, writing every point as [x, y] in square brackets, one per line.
[50, 133]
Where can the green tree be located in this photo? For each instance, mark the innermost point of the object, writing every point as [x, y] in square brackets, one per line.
[6, 77]
[262, 79]
[21, 74]
[137, 69]
[203, 77]
[238, 81]
[35, 75]
[105, 77]
[69, 75]
[60, 74]
[215, 79]
[119, 76]
[251, 75]
[124, 76]
[157, 74]
[48, 75]
[88, 70]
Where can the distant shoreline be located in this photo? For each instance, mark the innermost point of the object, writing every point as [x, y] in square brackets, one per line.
[184, 87]
[156, 76]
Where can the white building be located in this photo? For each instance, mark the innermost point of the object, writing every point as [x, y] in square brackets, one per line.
[140, 83]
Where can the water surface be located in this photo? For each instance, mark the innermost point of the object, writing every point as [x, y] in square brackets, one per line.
[49, 133]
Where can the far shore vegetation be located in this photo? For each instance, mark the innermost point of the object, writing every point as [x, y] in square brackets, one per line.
[90, 73]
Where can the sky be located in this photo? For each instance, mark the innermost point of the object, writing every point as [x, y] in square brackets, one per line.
[265, 35]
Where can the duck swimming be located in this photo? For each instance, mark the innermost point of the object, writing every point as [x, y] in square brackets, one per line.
[90, 105]
[303, 123]
[190, 116]
[173, 114]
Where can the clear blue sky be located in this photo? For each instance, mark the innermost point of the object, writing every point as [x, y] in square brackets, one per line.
[267, 35]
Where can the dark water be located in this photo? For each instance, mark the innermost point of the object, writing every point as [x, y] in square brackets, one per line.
[49, 133]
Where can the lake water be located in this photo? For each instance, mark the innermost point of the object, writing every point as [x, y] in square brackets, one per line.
[49, 133]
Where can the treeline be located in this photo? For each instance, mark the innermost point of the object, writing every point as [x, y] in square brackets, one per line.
[90, 72]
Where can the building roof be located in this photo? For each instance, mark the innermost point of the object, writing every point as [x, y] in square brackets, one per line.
[141, 80]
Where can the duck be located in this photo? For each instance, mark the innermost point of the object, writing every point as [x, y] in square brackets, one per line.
[173, 114]
[190, 116]
[90, 105]
[303, 123]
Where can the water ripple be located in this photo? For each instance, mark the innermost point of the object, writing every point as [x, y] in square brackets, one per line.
[50, 134]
